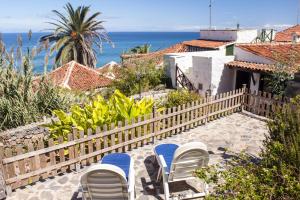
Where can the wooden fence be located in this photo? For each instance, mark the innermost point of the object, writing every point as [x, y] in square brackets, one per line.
[262, 103]
[24, 165]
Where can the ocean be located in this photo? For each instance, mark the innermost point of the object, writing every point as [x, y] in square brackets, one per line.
[123, 41]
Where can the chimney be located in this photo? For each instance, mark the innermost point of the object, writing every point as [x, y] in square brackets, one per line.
[295, 38]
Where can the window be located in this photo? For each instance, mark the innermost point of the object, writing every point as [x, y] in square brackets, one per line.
[229, 50]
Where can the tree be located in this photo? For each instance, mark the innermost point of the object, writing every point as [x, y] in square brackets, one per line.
[143, 49]
[286, 63]
[75, 36]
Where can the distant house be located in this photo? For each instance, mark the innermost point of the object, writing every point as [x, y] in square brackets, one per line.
[203, 65]
[75, 76]
[291, 34]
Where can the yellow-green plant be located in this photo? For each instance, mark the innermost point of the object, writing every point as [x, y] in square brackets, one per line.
[98, 113]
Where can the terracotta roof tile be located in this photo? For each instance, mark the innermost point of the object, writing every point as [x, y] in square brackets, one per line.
[257, 66]
[287, 34]
[111, 70]
[75, 76]
[213, 44]
[156, 56]
[273, 51]
[251, 66]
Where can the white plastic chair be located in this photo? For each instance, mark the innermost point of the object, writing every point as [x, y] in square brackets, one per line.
[109, 181]
[178, 163]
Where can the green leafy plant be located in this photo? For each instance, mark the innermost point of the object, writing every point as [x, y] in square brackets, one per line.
[283, 143]
[178, 97]
[286, 63]
[98, 113]
[143, 77]
[245, 179]
[276, 82]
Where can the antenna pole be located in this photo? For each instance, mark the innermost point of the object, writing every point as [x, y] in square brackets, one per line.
[209, 14]
[298, 11]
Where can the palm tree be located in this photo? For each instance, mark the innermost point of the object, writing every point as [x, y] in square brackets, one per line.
[75, 36]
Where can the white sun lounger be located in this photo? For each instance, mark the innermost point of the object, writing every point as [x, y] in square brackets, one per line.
[178, 163]
[111, 179]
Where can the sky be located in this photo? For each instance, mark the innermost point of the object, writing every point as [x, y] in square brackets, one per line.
[154, 15]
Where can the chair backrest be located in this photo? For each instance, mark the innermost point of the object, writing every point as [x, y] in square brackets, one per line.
[187, 159]
[104, 182]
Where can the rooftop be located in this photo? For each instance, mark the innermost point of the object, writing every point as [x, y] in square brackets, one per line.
[156, 56]
[273, 51]
[210, 44]
[251, 66]
[111, 70]
[228, 29]
[287, 34]
[235, 132]
[75, 76]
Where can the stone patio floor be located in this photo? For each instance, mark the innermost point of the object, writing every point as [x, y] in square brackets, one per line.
[236, 132]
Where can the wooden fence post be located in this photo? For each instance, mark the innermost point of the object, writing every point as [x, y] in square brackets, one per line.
[207, 110]
[244, 97]
[154, 123]
[2, 177]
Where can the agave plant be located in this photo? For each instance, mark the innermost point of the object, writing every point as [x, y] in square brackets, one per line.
[74, 36]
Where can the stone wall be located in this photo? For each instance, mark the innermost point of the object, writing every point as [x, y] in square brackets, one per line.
[24, 134]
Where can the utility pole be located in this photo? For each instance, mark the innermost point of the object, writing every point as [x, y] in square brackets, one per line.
[210, 14]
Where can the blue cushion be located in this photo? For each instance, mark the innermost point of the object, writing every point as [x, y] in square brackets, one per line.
[167, 151]
[121, 160]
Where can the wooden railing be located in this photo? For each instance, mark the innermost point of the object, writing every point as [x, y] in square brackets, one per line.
[24, 165]
[183, 80]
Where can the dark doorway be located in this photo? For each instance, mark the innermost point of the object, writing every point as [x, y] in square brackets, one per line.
[242, 77]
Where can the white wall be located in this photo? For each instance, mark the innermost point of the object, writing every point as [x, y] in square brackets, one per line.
[239, 36]
[254, 84]
[222, 79]
[246, 36]
[206, 68]
[226, 35]
[184, 62]
[202, 73]
[247, 56]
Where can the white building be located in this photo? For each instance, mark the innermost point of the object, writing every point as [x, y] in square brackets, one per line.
[204, 64]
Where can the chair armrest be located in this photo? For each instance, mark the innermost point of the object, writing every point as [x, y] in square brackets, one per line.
[131, 177]
[162, 164]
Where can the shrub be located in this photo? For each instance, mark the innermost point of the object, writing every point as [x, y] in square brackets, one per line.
[283, 143]
[245, 179]
[22, 101]
[275, 175]
[178, 97]
[143, 77]
[98, 113]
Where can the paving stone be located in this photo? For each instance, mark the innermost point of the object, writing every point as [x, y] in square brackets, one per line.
[63, 180]
[46, 195]
[34, 198]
